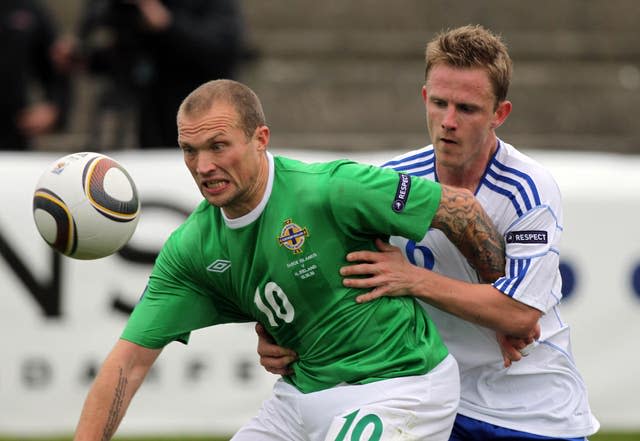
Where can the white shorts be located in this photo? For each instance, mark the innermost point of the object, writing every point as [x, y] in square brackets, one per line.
[405, 408]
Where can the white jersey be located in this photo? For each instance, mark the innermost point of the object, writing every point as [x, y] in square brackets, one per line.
[544, 392]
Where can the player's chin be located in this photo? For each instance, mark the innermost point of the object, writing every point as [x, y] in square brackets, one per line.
[217, 197]
[215, 200]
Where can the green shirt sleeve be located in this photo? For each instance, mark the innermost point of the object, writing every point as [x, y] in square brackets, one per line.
[176, 300]
[378, 201]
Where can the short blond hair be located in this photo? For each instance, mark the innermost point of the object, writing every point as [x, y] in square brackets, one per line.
[472, 46]
[241, 97]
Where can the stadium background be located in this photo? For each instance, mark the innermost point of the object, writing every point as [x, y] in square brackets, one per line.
[341, 79]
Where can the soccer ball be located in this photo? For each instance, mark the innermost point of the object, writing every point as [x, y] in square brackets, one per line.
[86, 205]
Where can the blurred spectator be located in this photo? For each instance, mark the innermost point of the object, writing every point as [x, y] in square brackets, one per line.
[153, 53]
[36, 93]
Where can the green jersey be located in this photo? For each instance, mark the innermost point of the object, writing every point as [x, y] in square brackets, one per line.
[279, 265]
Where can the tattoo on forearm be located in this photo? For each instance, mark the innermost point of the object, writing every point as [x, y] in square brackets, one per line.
[116, 407]
[466, 224]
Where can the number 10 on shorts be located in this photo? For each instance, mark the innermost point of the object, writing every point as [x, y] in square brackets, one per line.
[363, 428]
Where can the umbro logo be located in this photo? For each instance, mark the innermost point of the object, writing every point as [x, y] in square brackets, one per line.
[219, 266]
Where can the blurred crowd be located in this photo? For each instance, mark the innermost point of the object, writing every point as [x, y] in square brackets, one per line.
[143, 56]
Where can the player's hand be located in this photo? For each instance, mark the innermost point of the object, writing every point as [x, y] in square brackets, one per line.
[514, 348]
[155, 14]
[274, 358]
[38, 119]
[388, 272]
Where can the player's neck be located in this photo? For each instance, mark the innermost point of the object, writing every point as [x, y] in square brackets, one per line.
[462, 177]
[252, 195]
[468, 174]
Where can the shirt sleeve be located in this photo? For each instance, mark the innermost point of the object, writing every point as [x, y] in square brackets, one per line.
[382, 202]
[532, 258]
[174, 302]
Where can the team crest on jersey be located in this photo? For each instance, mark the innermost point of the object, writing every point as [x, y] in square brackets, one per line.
[292, 236]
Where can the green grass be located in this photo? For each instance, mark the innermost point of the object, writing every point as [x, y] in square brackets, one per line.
[618, 436]
[610, 436]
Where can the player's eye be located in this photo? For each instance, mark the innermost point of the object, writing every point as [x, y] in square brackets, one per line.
[189, 151]
[217, 146]
[464, 108]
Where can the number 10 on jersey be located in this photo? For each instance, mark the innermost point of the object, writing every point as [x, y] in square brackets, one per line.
[278, 308]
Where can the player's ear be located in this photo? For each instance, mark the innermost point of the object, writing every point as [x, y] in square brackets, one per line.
[501, 113]
[262, 135]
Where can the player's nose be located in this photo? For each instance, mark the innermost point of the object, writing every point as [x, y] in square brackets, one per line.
[449, 118]
[205, 163]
